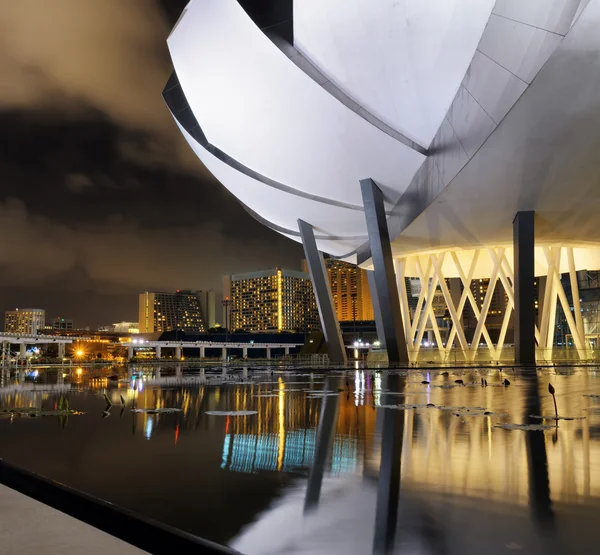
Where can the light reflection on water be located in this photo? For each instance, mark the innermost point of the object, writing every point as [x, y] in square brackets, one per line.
[218, 475]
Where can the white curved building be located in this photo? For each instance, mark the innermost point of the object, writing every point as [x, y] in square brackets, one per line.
[460, 114]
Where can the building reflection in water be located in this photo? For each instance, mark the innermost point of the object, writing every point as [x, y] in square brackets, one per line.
[435, 453]
[441, 452]
[282, 437]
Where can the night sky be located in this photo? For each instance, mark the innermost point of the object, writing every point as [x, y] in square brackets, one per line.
[101, 197]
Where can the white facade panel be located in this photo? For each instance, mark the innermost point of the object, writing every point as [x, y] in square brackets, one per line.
[470, 121]
[551, 15]
[542, 157]
[254, 104]
[284, 209]
[521, 49]
[401, 60]
[495, 88]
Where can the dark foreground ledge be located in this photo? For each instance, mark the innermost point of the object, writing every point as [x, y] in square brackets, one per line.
[137, 530]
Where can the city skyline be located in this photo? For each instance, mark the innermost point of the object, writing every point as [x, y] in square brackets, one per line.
[101, 197]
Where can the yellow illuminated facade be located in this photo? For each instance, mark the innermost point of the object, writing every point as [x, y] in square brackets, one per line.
[24, 320]
[272, 301]
[350, 290]
[161, 312]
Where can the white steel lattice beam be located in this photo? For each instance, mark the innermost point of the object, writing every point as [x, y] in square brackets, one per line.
[575, 293]
[554, 276]
[468, 294]
[423, 278]
[401, 281]
[442, 283]
[487, 301]
[454, 315]
[430, 285]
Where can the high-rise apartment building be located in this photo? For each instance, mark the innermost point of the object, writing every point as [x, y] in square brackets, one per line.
[270, 301]
[24, 320]
[350, 291]
[162, 311]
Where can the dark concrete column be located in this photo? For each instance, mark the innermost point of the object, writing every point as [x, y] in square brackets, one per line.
[385, 277]
[322, 289]
[376, 308]
[523, 237]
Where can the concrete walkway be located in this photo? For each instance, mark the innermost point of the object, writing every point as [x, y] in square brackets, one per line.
[30, 527]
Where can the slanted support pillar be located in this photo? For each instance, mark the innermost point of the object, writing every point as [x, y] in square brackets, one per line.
[376, 309]
[523, 237]
[322, 289]
[385, 278]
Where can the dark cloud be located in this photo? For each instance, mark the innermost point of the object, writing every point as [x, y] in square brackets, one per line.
[100, 195]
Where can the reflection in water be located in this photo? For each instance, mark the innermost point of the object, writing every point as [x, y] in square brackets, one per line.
[325, 433]
[537, 458]
[388, 486]
[466, 486]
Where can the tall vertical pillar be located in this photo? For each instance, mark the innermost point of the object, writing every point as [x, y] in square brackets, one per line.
[524, 242]
[224, 353]
[385, 277]
[22, 350]
[245, 352]
[61, 350]
[129, 353]
[202, 352]
[268, 353]
[322, 289]
[376, 308]
[286, 351]
[158, 352]
[178, 353]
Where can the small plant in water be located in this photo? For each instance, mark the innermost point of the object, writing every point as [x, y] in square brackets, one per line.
[551, 390]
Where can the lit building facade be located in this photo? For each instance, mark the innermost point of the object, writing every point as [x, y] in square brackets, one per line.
[25, 320]
[164, 311]
[350, 291]
[270, 301]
